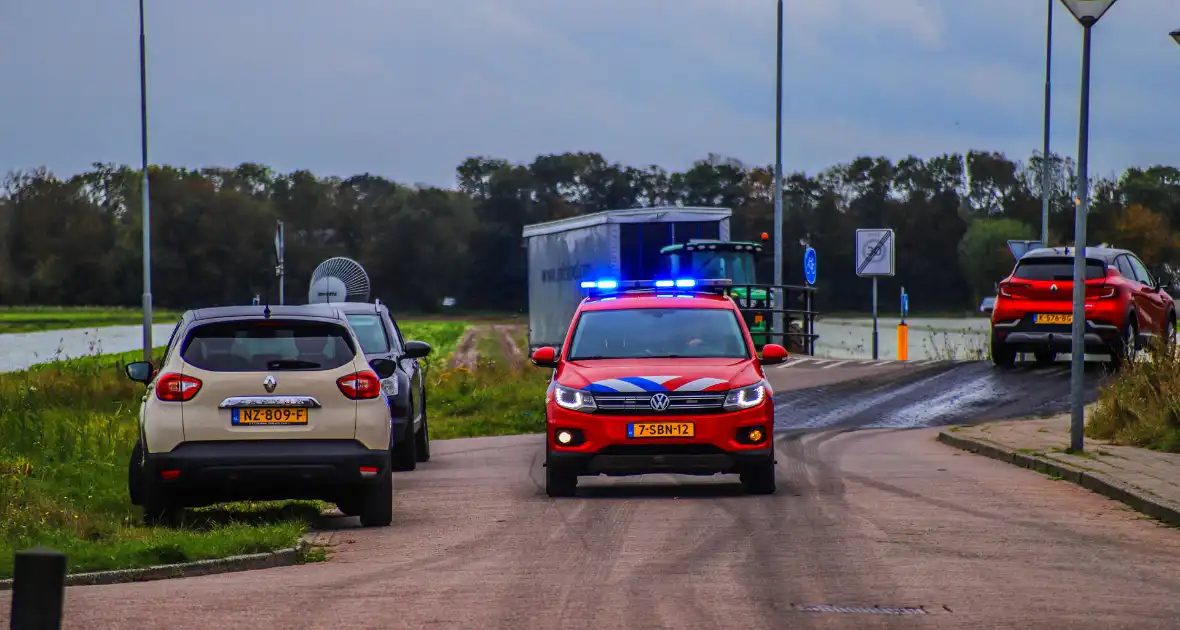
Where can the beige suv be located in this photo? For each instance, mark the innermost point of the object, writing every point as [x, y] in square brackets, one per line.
[256, 403]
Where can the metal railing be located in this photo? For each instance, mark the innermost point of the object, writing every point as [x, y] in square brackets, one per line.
[798, 307]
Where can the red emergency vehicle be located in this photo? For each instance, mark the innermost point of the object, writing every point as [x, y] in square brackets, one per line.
[658, 377]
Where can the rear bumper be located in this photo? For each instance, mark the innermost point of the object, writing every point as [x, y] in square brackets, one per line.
[261, 470]
[1021, 336]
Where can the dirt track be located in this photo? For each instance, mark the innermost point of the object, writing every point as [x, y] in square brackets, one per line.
[884, 518]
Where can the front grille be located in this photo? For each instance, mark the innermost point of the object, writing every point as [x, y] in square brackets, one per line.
[642, 450]
[631, 404]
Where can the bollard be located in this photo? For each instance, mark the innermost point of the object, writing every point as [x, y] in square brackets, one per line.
[38, 589]
[903, 342]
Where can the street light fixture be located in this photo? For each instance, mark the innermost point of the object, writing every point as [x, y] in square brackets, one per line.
[1176, 35]
[1087, 12]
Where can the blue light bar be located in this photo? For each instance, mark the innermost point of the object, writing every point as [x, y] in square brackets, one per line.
[601, 284]
[663, 284]
[607, 285]
[687, 283]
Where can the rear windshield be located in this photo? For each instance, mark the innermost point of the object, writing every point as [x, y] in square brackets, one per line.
[1056, 269]
[649, 333]
[268, 345]
[370, 332]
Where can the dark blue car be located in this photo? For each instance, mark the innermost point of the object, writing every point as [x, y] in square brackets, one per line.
[381, 338]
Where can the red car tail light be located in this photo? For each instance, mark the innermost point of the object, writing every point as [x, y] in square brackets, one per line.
[1105, 293]
[173, 387]
[360, 385]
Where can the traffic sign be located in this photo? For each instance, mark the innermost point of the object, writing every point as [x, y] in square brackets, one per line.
[1020, 248]
[874, 252]
[809, 265]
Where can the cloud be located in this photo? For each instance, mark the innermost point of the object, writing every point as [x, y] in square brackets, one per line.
[409, 89]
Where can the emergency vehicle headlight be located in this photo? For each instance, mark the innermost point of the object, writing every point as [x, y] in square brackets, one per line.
[573, 399]
[745, 397]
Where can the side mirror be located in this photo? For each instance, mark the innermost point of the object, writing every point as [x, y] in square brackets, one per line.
[384, 368]
[417, 349]
[545, 357]
[140, 371]
[773, 354]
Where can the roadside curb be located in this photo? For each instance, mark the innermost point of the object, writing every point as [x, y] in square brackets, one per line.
[1138, 500]
[233, 564]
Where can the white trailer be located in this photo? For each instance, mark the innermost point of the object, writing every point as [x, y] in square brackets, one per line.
[619, 244]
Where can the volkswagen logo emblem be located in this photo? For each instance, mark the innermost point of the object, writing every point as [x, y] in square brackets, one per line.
[660, 402]
[1053, 288]
[270, 383]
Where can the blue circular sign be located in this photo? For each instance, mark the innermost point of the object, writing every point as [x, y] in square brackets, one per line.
[809, 265]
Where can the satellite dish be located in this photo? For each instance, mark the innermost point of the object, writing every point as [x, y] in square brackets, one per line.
[338, 280]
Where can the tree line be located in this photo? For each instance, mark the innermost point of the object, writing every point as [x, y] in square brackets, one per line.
[77, 240]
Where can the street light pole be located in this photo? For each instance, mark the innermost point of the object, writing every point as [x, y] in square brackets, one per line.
[147, 213]
[1045, 188]
[1087, 12]
[778, 185]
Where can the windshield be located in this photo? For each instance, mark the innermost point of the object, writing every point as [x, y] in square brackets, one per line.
[737, 266]
[1056, 269]
[658, 332]
[259, 346]
[371, 333]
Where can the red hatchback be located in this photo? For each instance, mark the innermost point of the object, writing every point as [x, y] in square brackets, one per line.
[1125, 306]
[654, 380]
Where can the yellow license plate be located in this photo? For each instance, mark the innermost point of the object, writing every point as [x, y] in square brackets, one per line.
[1054, 318]
[272, 416]
[661, 429]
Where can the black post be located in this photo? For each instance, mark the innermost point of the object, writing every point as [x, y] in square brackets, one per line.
[38, 589]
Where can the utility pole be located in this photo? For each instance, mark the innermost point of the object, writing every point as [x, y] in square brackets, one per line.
[147, 202]
[778, 186]
[1046, 189]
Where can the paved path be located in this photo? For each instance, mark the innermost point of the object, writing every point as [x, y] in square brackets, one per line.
[1155, 474]
[869, 518]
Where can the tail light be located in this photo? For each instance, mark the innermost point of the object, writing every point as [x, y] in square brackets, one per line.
[1104, 293]
[360, 385]
[1007, 287]
[173, 387]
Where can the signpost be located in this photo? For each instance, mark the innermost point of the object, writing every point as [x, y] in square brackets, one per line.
[874, 251]
[809, 265]
[279, 257]
[903, 330]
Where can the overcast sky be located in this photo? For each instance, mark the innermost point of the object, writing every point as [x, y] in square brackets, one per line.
[408, 89]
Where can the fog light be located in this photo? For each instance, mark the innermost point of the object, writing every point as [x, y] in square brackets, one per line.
[565, 437]
[368, 471]
[169, 474]
[755, 435]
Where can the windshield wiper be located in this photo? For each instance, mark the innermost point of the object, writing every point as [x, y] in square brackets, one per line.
[290, 364]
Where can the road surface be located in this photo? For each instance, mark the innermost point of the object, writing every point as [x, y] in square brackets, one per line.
[888, 518]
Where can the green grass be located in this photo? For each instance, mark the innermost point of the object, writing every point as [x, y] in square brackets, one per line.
[18, 319]
[496, 398]
[66, 432]
[1141, 405]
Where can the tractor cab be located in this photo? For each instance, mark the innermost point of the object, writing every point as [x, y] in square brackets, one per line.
[733, 260]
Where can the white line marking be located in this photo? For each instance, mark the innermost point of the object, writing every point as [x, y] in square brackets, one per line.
[836, 364]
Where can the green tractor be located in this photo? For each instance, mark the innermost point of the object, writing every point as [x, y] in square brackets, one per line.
[735, 260]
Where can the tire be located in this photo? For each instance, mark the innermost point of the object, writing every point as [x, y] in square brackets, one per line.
[560, 483]
[135, 474]
[759, 479]
[158, 506]
[1124, 350]
[423, 435]
[1045, 357]
[375, 505]
[405, 450]
[1002, 355]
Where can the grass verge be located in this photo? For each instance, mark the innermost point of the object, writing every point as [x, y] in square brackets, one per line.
[1141, 406]
[20, 319]
[66, 432]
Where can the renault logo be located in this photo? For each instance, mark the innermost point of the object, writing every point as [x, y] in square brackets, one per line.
[660, 402]
[1053, 288]
[270, 383]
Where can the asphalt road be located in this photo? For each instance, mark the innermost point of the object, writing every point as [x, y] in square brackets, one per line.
[887, 518]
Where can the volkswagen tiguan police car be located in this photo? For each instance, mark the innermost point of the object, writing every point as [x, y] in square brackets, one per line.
[658, 377]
